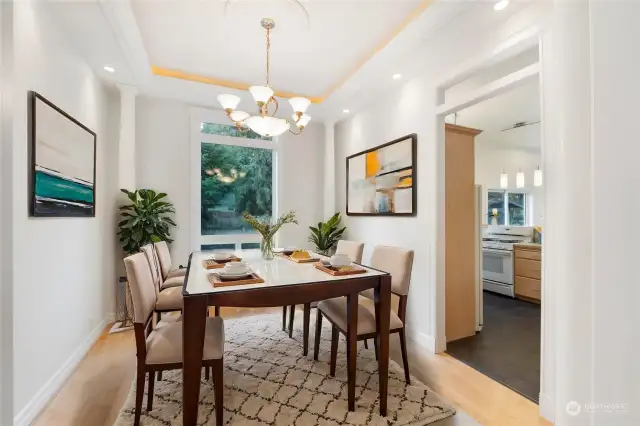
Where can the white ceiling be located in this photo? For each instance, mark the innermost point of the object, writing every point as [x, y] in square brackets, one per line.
[307, 56]
[196, 36]
[503, 111]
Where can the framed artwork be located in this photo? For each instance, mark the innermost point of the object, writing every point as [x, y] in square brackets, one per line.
[381, 181]
[63, 162]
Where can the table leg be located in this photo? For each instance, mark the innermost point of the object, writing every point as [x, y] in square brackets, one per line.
[352, 347]
[193, 327]
[383, 314]
[305, 328]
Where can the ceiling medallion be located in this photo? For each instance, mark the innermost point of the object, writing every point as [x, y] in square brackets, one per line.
[266, 124]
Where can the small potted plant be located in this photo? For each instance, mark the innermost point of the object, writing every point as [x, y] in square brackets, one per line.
[268, 229]
[326, 235]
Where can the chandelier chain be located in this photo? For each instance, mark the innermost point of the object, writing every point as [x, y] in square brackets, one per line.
[268, 53]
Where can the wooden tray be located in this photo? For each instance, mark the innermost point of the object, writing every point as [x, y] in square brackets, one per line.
[215, 264]
[335, 272]
[310, 260]
[218, 282]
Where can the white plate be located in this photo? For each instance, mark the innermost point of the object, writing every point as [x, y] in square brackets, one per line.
[224, 274]
[221, 256]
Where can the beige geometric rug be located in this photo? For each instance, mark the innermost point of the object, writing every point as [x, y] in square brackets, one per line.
[268, 382]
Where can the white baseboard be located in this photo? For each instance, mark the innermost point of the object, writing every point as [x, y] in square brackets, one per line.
[421, 339]
[547, 407]
[53, 385]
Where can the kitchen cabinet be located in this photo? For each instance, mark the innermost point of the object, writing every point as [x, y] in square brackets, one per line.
[528, 271]
[461, 270]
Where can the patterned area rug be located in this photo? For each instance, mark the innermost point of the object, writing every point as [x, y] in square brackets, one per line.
[268, 382]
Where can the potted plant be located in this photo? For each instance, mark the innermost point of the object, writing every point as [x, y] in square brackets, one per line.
[146, 220]
[268, 230]
[326, 235]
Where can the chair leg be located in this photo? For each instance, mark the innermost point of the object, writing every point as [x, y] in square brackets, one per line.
[305, 328]
[152, 379]
[405, 360]
[217, 311]
[284, 318]
[218, 390]
[139, 395]
[159, 376]
[334, 349]
[316, 346]
[366, 346]
[375, 345]
[292, 310]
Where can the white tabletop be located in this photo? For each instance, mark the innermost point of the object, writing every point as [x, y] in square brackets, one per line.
[276, 272]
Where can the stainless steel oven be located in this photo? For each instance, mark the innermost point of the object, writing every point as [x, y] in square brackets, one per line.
[497, 271]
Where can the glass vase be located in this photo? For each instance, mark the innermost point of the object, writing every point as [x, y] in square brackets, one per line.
[266, 247]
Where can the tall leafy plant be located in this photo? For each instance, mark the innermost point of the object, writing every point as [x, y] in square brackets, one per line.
[147, 219]
[326, 235]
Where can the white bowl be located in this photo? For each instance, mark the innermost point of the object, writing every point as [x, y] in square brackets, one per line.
[236, 267]
[220, 255]
[338, 260]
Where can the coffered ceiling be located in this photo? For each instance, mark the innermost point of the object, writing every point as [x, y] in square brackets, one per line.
[315, 46]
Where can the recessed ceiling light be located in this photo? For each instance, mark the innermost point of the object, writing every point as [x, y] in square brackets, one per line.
[346, 111]
[501, 5]
[397, 76]
[107, 68]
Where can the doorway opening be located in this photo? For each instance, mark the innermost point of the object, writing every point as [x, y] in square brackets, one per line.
[493, 223]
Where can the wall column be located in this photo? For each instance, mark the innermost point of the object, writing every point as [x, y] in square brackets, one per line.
[329, 170]
[127, 138]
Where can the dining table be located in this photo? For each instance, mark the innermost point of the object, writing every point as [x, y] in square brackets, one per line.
[285, 283]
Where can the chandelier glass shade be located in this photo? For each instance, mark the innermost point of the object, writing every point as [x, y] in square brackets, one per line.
[265, 123]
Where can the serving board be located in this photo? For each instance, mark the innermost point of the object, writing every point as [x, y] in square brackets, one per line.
[218, 282]
[215, 264]
[309, 260]
[337, 273]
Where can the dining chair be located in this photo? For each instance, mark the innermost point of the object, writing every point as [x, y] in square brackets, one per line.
[169, 295]
[159, 349]
[166, 266]
[353, 250]
[396, 261]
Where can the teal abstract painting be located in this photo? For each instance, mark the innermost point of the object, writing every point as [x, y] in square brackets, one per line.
[63, 154]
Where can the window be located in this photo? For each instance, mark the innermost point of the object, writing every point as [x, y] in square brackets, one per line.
[234, 173]
[510, 206]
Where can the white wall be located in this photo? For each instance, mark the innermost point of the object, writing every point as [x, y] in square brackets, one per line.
[410, 108]
[492, 160]
[162, 158]
[64, 279]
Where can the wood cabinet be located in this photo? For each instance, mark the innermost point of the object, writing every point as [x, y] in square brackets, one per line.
[528, 271]
[461, 268]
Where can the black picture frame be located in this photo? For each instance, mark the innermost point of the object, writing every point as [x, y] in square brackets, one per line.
[414, 176]
[51, 207]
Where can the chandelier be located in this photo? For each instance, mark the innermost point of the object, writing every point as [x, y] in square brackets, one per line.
[265, 123]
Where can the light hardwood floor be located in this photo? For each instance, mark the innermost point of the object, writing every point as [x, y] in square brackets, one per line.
[95, 392]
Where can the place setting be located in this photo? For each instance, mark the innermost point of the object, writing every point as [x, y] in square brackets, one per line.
[234, 273]
[298, 255]
[220, 259]
[338, 265]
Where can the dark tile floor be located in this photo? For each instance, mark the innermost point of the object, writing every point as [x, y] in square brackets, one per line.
[508, 347]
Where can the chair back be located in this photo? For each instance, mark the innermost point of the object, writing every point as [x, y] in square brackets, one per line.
[154, 265]
[352, 249]
[162, 248]
[396, 261]
[143, 294]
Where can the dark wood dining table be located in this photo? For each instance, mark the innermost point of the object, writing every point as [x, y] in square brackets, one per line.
[285, 283]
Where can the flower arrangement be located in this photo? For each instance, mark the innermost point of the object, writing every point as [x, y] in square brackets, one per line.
[268, 229]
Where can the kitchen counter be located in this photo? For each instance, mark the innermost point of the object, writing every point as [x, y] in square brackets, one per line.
[528, 246]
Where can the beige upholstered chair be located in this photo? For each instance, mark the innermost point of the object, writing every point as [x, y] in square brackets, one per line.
[169, 296]
[353, 250]
[160, 349]
[397, 262]
[166, 267]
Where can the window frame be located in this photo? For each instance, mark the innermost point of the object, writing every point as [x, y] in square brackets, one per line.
[199, 115]
[507, 219]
